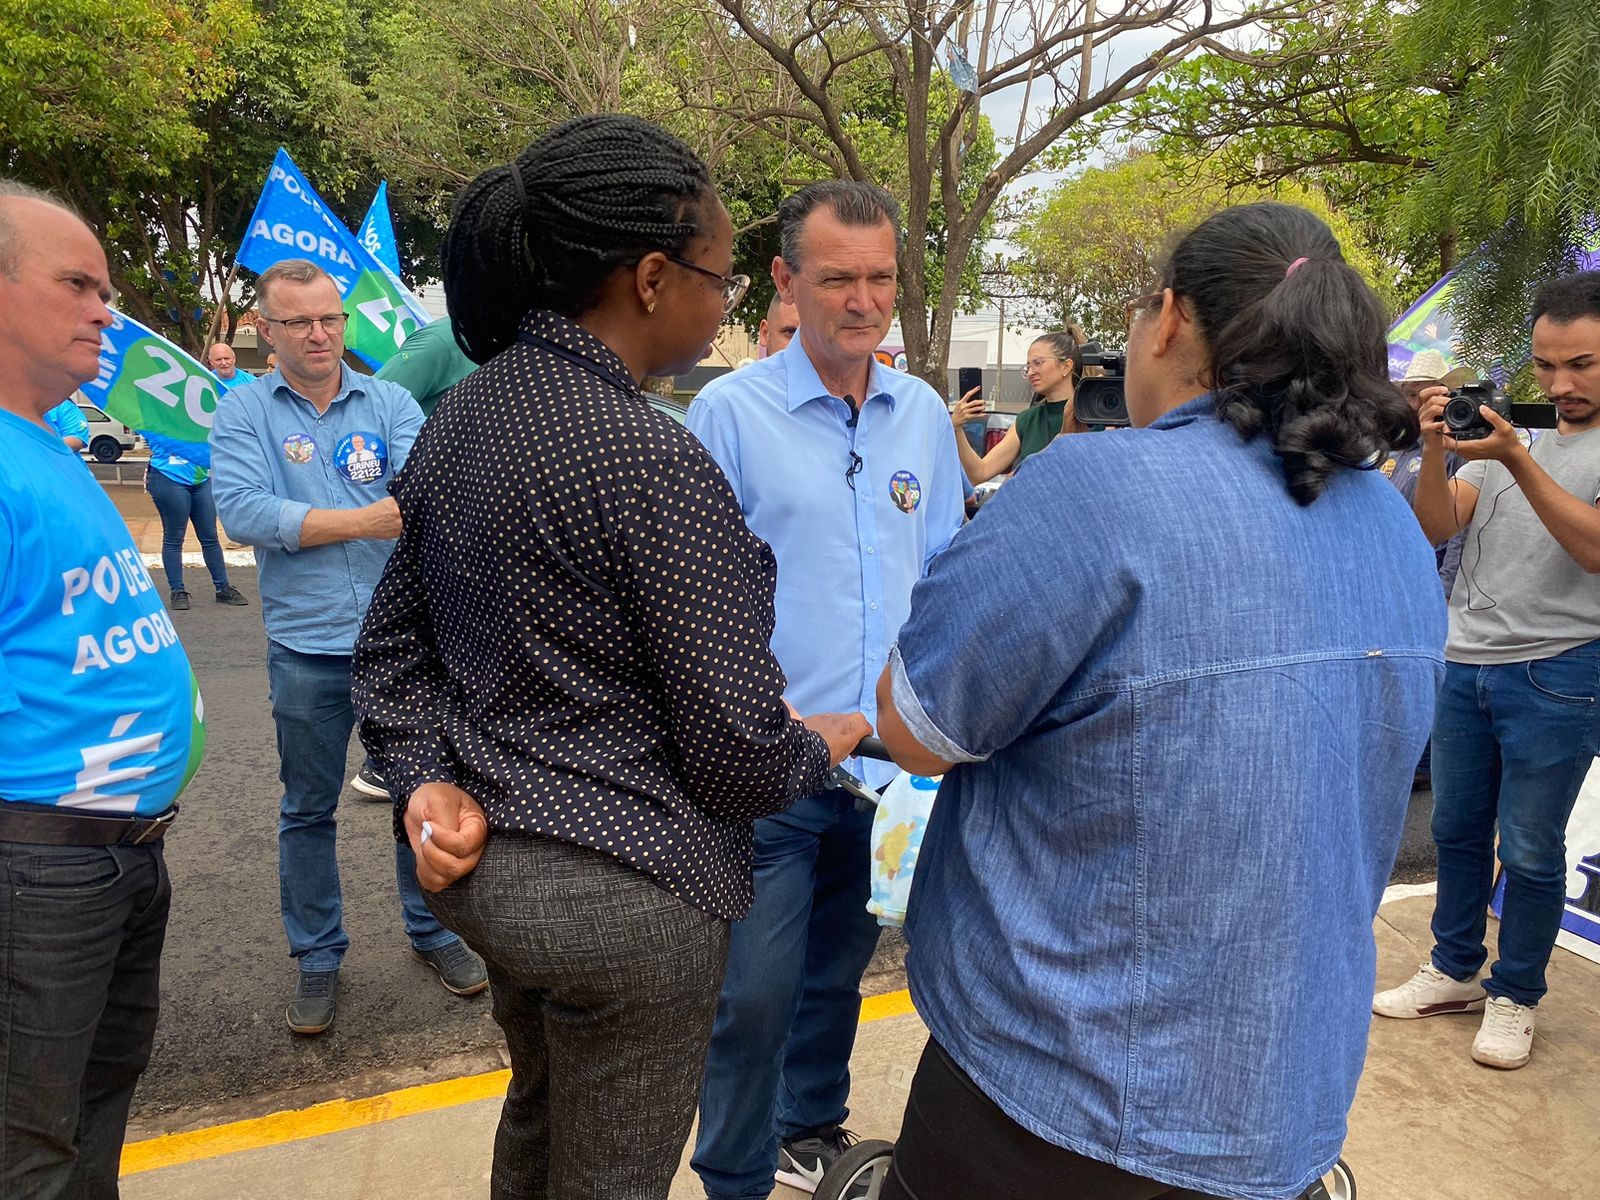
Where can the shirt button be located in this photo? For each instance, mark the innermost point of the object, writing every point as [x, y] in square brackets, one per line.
[870, 550]
[873, 606]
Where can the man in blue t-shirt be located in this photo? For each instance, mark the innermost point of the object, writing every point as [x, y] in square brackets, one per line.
[71, 426]
[301, 461]
[224, 365]
[102, 728]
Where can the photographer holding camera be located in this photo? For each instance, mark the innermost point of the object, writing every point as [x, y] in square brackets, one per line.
[1516, 727]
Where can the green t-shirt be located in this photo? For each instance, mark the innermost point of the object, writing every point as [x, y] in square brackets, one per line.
[429, 364]
[1038, 426]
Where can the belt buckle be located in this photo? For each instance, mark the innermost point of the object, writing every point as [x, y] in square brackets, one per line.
[155, 827]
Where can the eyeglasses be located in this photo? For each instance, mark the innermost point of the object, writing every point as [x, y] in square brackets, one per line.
[733, 286]
[299, 327]
[1038, 364]
[1139, 304]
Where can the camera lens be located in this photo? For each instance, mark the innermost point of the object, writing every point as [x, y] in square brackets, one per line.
[1460, 414]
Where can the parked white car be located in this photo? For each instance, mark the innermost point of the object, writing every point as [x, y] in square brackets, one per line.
[107, 438]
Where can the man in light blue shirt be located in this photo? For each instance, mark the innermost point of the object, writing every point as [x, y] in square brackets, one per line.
[848, 470]
[301, 459]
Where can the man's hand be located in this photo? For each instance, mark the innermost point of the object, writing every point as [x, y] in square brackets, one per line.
[967, 410]
[842, 731]
[1501, 445]
[1430, 415]
[460, 832]
[381, 519]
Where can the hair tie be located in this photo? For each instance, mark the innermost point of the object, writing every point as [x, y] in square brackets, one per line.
[1295, 266]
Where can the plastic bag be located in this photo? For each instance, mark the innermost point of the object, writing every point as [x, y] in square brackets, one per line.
[897, 830]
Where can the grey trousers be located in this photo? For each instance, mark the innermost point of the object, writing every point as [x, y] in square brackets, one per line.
[605, 986]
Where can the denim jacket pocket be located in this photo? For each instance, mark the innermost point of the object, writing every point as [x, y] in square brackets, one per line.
[1565, 680]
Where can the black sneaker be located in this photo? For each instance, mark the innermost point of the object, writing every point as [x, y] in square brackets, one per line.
[460, 970]
[369, 783]
[230, 595]
[180, 600]
[803, 1161]
[314, 1002]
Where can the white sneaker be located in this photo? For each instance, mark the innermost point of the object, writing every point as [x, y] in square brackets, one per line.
[1505, 1039]
[1429, 993]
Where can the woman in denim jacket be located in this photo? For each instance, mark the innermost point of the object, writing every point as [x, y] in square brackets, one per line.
[1141, 923]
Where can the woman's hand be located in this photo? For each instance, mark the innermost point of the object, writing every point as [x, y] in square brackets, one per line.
[842, 731]
[967, 410]
[458, 832]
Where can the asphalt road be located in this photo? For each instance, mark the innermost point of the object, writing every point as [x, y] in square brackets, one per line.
[227, 973]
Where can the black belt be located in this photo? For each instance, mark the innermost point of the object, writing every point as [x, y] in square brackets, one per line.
[37, 825]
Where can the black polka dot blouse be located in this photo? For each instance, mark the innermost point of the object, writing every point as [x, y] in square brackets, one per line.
[574, 625]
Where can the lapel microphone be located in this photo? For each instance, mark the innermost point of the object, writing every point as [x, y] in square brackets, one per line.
[850, 402]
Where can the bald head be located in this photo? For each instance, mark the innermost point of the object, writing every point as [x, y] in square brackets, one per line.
[13, 220]
[54, 288]
[778, 329]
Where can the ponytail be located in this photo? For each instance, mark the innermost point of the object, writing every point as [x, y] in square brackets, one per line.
[1298, 341]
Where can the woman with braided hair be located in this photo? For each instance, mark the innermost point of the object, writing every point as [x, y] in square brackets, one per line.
[565, 672]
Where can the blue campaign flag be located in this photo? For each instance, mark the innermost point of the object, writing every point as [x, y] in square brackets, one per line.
[292, 221]
[377, 231]
[150, 384]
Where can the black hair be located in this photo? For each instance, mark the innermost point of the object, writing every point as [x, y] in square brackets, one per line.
[1297, 341]
[547, 231]
[1569, 298]
[853, 202]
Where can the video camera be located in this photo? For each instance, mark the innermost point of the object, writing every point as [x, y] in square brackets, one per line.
[1099, 400]
[1463, 421]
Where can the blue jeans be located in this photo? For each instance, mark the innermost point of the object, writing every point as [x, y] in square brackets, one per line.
[182, 504]
[82, 929]
[779, 1062]
[1511, 746]
[314, 717]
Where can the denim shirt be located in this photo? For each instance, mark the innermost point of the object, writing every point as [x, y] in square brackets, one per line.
[1185, 721]
[273, 459]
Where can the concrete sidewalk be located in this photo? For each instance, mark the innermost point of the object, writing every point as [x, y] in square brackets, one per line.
[1428, 1123]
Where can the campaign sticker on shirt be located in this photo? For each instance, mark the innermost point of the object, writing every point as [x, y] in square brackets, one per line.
[362, 457]
[1388, 467]
[905, 491]
[299, 448]
[1414, 465]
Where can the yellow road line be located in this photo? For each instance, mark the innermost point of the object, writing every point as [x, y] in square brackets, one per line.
[332, 1116]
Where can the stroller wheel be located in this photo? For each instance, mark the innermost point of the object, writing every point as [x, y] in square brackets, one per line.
[857, 1174]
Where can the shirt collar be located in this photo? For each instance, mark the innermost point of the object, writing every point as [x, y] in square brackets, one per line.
[805, 385]
[575, 339]
[45, 435]
[350, 384]
[1187, 413]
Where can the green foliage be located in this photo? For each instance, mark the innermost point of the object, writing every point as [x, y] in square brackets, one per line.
[1100, 238]
[1518, 167]
[1438, 126]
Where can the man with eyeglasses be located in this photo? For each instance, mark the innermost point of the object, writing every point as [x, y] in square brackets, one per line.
[301, 460]
[847, 469]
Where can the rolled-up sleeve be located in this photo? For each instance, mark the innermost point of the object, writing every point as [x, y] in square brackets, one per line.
[972, 670]
[700, 588]
[241, 475]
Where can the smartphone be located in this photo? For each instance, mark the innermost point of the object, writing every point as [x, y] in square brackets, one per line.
[968, 378]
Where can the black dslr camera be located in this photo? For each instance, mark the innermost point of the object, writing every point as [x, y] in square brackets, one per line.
[1099, 400]
[1463, 421]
